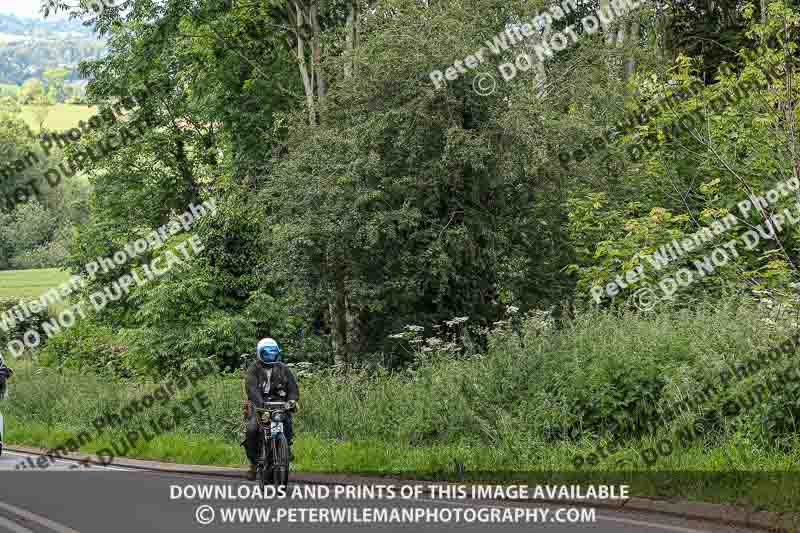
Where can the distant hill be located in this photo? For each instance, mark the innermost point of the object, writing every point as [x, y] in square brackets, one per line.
[29, 46]
[27, 26]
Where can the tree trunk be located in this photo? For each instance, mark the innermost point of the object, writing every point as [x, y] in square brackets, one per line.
[351, 39]
[345, 321]
[630, 59]
[316, 51]
[611, 34]
[356, 341]
[184, 167]
[306, 73]
[338, 312]
[540, 81]
[612, 31]
[790, 105]
[663, 37]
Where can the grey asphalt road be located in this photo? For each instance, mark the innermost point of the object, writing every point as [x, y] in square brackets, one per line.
[94, 499]
[12, 460]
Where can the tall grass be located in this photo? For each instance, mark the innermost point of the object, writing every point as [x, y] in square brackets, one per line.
[530, 403]
[598, 368]
[526, 390]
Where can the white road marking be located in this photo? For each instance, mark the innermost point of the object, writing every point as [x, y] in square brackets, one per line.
[13, 526]
[42, 521]
[92, 467]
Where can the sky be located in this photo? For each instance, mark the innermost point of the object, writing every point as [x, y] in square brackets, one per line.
[21, 8]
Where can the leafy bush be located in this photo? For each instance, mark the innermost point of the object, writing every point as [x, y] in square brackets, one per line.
[49, 254]
[85, 345]
[23, 323]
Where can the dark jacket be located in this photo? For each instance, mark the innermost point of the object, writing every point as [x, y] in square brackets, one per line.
[5, 373]
[283, 386]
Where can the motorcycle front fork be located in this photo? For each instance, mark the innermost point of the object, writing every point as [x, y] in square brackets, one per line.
[267, 450]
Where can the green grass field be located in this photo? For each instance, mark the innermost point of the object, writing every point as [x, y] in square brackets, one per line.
[60, 117]
[16, 283]
[8, 89]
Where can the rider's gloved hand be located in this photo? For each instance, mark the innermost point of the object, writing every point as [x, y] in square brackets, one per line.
[292, 405]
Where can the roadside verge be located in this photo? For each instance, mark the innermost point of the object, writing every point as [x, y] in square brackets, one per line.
[715, 513]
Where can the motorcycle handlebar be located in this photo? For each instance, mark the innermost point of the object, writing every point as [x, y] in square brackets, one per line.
[275, 405]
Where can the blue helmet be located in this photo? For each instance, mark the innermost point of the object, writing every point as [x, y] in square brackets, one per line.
[268, 351]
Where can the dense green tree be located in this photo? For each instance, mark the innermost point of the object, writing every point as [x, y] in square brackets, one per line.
[55, 83]
[735, 140]
[376, 201]
[356, 197]
[31, 90]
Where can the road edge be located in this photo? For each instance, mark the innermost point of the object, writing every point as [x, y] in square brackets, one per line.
[709, 512]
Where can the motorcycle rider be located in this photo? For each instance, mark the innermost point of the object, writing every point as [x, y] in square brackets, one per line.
[268, 379]
[5, 373]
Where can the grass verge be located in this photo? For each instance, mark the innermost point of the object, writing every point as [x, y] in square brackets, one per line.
[690, 476]
[494, 417]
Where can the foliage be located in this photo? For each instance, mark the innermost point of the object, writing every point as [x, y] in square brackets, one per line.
[22, 322]
[31, 91]
[35, 233]
[356, 198]
[693, 181]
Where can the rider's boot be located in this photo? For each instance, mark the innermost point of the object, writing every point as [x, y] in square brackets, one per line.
[251, 474]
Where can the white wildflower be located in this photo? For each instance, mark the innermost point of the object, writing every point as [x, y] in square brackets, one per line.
[457, 320]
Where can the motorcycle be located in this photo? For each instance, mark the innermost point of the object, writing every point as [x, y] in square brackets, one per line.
[5, 373]
[273, 463]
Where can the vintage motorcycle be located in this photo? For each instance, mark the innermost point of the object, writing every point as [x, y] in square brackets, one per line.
[5, 373]
[273, 463]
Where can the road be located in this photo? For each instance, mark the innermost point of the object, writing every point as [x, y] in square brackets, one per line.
[65, 499]
[13, 461]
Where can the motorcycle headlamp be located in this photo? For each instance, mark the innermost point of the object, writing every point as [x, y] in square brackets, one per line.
[278, 416]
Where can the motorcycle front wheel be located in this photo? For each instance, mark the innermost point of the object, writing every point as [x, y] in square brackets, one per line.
[280, 465]
[264, 471]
